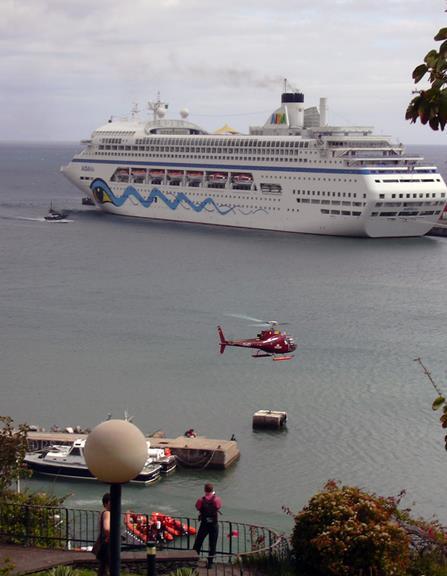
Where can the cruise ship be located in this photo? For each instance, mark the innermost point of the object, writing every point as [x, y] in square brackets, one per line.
[295, 173]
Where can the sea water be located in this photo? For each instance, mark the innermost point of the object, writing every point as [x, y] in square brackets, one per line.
[109, 315]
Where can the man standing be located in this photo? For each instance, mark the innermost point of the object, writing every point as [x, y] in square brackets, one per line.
[208, 506]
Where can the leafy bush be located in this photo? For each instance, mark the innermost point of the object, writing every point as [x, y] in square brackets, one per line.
[431, 104]
[6, 567]
[13, 446]
[63, 571]
[345, 531]
[31, 518]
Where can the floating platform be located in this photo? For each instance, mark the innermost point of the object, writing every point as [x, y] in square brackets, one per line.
[199, 452]
[269, 419]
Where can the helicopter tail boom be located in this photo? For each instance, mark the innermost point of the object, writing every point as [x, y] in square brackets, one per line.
[223, 342]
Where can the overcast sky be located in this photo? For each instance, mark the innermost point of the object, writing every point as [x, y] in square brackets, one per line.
[66, 66]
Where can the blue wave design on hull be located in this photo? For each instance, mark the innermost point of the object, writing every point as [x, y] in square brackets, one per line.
[103, 193]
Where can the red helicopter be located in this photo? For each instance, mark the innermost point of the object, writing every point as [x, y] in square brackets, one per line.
[270, 342]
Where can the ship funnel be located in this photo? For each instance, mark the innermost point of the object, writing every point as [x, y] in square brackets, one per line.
[323, 111]
[293, 102]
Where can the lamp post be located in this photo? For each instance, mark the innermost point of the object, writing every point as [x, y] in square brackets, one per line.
[115, 452]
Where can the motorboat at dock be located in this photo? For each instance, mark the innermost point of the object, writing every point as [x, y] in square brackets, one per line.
[162, 457]
[68, 461]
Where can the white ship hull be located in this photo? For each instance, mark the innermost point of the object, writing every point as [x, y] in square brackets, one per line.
[253, 209]
[292, 175]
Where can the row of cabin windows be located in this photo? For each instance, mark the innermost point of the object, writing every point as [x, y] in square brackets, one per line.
[408, 181]
[203, 150]
[232, 143]
[246, 206]
[211, 157]
[332, 202]
[325, 193]
[407, 213]
[413, 195]
[340, 212]
[410, 204]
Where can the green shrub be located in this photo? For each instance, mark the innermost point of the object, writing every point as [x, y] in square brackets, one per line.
[62, 571]
[31, 518]
[186, 571]
[344, 531]
[6, 567]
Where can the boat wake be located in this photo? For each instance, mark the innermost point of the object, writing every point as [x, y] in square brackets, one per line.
[41, 219]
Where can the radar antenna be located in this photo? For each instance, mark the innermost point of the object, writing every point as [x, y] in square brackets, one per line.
[135, 111]
[157, 107]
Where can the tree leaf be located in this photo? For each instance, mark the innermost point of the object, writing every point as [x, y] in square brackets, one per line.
[438, 402]
[434, 123]
[443, 49]
[442, 34]
[419, 72]
[431, 58]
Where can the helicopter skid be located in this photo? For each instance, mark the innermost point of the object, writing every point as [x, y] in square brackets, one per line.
[279, 358]
[261, 355]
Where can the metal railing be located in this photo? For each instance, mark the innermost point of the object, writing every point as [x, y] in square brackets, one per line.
[74, 529]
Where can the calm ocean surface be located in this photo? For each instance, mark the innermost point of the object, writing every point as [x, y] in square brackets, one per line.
[107, 314]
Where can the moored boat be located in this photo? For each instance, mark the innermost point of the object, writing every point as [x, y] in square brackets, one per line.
[162, 457]
[68, 461]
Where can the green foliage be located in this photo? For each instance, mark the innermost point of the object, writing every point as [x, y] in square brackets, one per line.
[31, 518]
[440, 399]
[267, 566]
[6, 567]
[185, 571]
[345, 531]
[63, 571]
[431, 564]
[430, 106]
[12, 452]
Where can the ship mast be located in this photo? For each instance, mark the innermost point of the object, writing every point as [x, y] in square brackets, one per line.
[157, 107]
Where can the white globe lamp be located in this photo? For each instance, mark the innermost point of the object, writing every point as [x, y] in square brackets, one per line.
[115, 452]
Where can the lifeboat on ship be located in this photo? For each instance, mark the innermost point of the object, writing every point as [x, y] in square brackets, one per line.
[217, 178]
[194, 176]
[175, 175]
[156, 173]
[242, 178]
[138, 174]
[121, 175]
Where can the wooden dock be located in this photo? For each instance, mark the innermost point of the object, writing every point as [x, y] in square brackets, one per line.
[199, 452]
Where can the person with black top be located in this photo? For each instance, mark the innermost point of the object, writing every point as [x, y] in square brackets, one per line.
[208, 506]
[104, 532]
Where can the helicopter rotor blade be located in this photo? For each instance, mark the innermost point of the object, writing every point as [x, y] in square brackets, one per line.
[245, 317]
[257, 321]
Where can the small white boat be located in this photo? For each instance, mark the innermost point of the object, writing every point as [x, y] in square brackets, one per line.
[55, 216]
[167, 461]
[68, 461]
